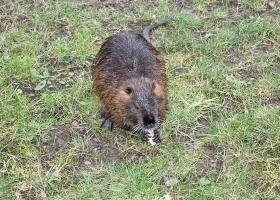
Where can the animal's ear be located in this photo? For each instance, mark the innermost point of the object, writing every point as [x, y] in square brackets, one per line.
[128, 90]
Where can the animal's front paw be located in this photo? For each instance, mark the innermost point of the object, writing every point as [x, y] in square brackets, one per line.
[156, 136]
[152, 137]
[144, 135]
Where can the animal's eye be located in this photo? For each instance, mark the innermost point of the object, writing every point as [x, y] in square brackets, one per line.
[128, 90]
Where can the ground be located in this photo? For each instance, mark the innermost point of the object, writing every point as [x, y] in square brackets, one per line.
[220, 139]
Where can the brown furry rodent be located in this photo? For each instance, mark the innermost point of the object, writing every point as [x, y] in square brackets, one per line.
[130, 79]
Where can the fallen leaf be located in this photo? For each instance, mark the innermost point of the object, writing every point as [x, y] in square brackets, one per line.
[271, 4]
[87, 163]
[229, 174]
[40, 85]
[62, 82]
[171, 181]
[165, 197]
[83, 103]
[75, 123]
[100, 41]
[203, 181]
[19, 91]
[42, 194]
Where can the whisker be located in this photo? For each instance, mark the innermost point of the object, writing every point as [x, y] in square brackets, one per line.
[135, 128]
[139, 128]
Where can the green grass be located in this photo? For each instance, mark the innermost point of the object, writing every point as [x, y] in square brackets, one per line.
[221, 137]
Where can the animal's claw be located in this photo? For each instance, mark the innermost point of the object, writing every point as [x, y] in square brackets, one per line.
[107, 121]
[144, 135]
[156, 136]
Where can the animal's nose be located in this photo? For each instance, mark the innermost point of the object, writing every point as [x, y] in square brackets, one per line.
[149, 120]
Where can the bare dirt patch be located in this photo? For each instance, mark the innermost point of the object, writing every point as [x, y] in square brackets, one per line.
[272, 101]
[90, 152]
[248, 12]
[211, 161]
[232, 102]
[233, 55]
[186, 141]
[57, 140]
[10, 146]
[178, 70]
[26, 88]
[275, 100]
[261, 183]
[52, 62]
[7, 21]
[10, 17]
[119, 5]
[55, 66]
[56, 74]
[209, 165]
[181, 5]
[263, 50]
[250, 73]
[29, 89]
[200, 127]
[62, 28]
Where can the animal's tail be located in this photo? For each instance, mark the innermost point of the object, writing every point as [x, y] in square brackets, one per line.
[146, 31]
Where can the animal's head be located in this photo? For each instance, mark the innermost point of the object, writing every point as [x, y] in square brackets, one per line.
[142, 103]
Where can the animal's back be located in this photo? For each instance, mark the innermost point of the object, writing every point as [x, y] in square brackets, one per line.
[126, 55]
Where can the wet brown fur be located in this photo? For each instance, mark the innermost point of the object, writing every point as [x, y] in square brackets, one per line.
[128, 60]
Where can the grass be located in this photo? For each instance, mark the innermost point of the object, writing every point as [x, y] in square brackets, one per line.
[221, 137]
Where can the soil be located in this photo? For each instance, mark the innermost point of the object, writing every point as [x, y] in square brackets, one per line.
[211, 162]
[258, 181]
[91, 152]
[27, 89]
[209, 165]
[231, 102]
[119, 5]
[194, 130]
[137, 26]
[272, 101]
[233, 56]
[61, 73]
[89, 155]
[200, 127]
[250, 73]
[62, 28]
[9, 18]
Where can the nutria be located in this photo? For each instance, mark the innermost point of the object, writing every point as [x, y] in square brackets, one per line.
[130, 79]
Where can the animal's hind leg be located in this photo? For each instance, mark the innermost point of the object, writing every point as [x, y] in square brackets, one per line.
[107, 121]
